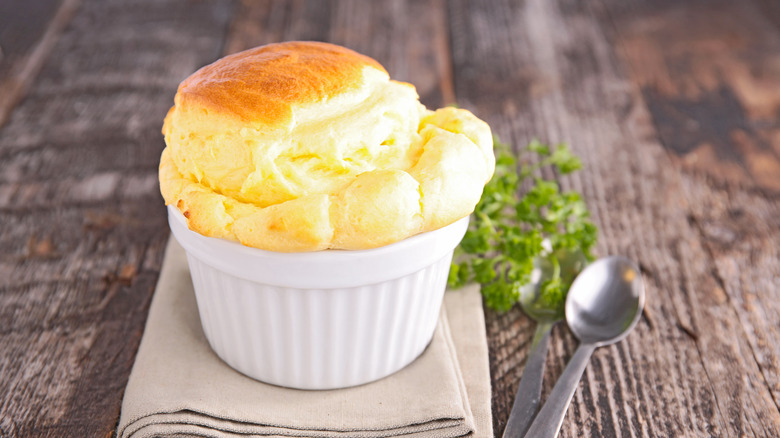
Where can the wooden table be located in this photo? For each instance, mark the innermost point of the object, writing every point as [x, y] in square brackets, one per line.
[674, 107]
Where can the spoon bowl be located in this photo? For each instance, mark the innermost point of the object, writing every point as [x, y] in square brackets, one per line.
[565, 264]
[569, 264]
[605, 301]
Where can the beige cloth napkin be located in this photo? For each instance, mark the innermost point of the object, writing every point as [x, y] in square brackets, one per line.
[178, 386]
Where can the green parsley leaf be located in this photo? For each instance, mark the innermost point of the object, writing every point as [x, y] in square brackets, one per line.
[507, 230]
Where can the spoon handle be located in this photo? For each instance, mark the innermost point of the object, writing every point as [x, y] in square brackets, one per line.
[548, 422]
[529, 392]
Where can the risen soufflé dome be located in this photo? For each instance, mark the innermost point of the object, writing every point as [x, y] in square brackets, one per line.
[306, 146]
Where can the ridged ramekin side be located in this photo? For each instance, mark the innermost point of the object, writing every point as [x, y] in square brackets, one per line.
[318, 338]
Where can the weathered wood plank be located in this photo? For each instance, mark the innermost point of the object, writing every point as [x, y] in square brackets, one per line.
[725, 59]
[82, 225]
[27, 36]
[710, 75]
[21, 29]
[688, 370]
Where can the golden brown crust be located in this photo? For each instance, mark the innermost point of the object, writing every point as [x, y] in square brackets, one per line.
[261, 85]
[335, 156]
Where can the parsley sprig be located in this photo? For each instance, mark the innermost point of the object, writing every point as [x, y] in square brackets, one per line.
[507, 230]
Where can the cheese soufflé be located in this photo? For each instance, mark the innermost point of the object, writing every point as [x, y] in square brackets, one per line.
[307, 146]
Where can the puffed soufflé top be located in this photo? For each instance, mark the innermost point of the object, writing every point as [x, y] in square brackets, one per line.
[305, 146]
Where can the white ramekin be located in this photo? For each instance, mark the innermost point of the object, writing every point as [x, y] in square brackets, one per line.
[319, 320]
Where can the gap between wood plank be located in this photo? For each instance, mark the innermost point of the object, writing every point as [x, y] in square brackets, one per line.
[13, 89]
[444, 47]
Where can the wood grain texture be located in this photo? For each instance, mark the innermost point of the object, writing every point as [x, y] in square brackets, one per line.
[693, 367]
[21, 30]
[673, 106]
[82, 225]
[710, 76]
[725, 88]
[27, 36]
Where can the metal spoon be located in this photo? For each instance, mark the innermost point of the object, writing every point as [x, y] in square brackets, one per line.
[529, 392]
[603, 305]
